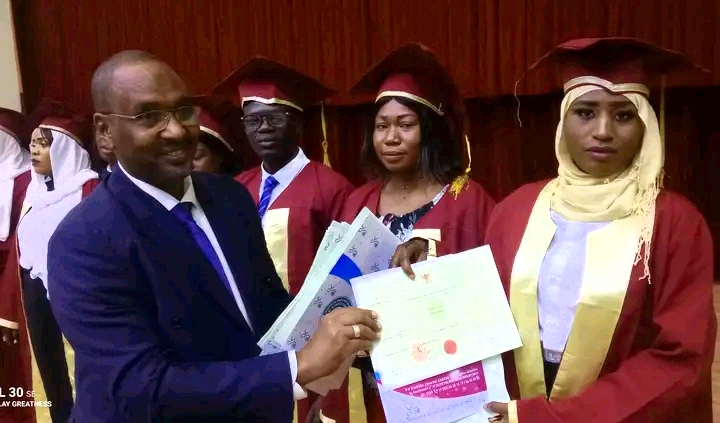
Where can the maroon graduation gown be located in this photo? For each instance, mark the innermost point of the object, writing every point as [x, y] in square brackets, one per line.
[658, 363]
[17, 360]
[14, 360]
[461, 222]
[314, 199]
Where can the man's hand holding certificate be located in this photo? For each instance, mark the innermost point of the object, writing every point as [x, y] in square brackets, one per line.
[346, 251]
[442, 332]
[339, 328]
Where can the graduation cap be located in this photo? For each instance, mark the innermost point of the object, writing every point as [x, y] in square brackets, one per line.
[620, 65]
[219, 117]
[270, 82]
[414, 72]
[13, 122]
[617, 64]
[59, 117]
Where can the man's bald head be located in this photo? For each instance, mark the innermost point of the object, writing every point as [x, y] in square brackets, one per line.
[102, 80]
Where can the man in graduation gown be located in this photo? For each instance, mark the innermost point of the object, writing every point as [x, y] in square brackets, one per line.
[297, 198]
[15, 356]
[162, 282]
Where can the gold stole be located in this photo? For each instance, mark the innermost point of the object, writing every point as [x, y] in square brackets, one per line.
[275, 226]
[609, 262]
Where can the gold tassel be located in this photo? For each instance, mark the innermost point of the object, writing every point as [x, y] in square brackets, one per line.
[462, 181]
[326, 156]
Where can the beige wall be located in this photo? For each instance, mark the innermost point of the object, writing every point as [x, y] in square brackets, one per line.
[9, 69]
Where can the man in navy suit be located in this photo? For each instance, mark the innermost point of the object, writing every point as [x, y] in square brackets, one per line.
[161, 279]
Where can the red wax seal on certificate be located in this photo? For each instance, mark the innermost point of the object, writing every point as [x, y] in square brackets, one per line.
[450, 347]
[419, 352]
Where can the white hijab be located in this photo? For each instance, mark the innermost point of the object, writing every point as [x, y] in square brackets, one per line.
[71, 169]
[14, 161]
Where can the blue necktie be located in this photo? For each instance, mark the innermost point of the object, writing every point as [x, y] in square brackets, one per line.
[182, 212]
[270, 184]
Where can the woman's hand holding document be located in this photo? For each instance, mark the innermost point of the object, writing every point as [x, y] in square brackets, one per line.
[442, 334]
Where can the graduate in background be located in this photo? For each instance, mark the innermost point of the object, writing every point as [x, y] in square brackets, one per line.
[104, 148]
[609, 276]
[418, 188]
[61, 177]
[15, 356]
[297, 198]
[219, 143]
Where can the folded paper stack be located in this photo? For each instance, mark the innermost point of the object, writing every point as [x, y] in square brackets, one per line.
[347, 251]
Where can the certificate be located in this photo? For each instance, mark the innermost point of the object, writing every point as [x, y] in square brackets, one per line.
[453, 314]
[456, 396]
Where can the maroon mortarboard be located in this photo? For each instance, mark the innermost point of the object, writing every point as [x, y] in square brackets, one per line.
[618, 64]
[219, 117]
[413, 72]
[59, 117]
[270, 82]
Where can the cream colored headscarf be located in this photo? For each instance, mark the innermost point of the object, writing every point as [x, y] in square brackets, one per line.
[581, 197]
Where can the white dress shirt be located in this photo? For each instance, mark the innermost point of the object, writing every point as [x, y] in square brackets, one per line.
[284, 176]
[168, 201]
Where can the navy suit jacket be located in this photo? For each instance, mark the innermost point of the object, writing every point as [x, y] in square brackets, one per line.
[157, 336]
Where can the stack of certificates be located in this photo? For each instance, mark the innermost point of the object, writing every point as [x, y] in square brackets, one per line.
[438, 358]
[347, 251]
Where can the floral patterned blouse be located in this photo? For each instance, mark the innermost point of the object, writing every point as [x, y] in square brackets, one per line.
[402, 226]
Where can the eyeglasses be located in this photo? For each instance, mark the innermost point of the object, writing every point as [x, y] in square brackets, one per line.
[158, 120]
[253, 122]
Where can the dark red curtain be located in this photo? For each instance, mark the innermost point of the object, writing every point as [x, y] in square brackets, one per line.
[487, 45]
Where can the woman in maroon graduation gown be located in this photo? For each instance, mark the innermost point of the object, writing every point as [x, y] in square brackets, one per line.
[61, 177]
[609, 276]
[419, 189]
[218, 149]
[14, 180]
